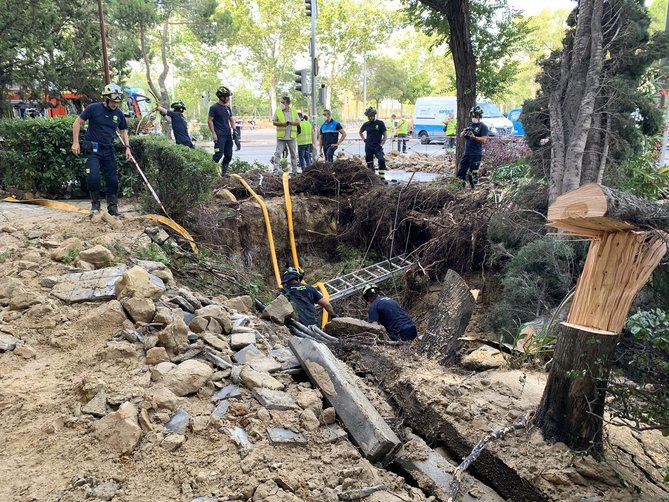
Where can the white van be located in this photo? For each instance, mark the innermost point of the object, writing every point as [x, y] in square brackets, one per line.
[430, 113]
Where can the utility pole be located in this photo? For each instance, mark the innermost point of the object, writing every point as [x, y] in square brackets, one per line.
[103, 40]
[364, 81]
[312, 12]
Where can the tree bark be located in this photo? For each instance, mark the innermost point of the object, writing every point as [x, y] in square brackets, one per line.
[460, 44]
[164, 96]
[449, 319]
[147, 61]
[572, 405]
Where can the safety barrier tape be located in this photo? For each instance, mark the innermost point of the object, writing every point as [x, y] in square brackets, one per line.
[268, 226]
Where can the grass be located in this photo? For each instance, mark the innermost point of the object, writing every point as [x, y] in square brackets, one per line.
[119, 252]
[153, 252]
[4, 256]
[71, 255]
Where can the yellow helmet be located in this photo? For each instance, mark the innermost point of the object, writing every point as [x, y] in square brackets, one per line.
[113, 92]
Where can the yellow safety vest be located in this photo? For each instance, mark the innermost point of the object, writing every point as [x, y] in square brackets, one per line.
[281, 130]
[403, 127]
[450, 127]
[304, 138]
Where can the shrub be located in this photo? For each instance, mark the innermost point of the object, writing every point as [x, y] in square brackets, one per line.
[36, 157]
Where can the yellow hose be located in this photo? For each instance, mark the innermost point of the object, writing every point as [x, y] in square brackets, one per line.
[289, 217]
[326, 295]
[268, 226]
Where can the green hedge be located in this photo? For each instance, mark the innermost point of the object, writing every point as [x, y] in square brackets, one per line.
[35, 156]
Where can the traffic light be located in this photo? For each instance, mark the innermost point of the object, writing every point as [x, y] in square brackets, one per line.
[301, 81]
[308, 6]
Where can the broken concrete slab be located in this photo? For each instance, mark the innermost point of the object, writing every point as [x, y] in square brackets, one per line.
[246, 354]
[228, 392]
[95, 285]
[274, 399]
[264, 364]
[280, 436]
[241, 340]
[252, 379]
[178, 423]
[347, 326]
[215, 341]
[221, 409]
[278, 310]
[337, 383]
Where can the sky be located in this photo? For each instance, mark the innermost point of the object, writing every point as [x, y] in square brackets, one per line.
[531, 7]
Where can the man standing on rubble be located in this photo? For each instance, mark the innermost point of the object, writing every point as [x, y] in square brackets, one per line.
[286, 122]
[104, 119]
[178, 121]
[221, 124]
[388, 313]
[374, 138]
[476, 135]
[331, 134]
[303, 297]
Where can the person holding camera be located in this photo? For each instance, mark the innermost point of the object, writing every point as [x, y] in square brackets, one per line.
[476, 135]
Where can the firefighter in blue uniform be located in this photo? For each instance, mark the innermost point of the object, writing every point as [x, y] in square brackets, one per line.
[104, 119]
[388, 313]
[179, 123]
[303, 297]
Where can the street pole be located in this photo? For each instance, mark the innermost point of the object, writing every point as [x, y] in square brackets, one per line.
[314, 73]
[103, 40]
[364, 81]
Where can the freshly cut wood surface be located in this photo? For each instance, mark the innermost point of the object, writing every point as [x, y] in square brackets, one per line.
[597, 207]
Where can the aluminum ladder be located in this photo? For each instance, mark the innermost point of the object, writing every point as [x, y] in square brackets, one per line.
[346, 285]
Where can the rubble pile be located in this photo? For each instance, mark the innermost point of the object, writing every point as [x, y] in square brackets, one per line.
[119, 384]
[421, 162]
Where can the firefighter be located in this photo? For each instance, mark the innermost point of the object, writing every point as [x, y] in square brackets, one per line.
[104, 119]
[179, 124]
[374, 137]
[222, 124]
[388, 313]
[303, 297]
[476, 135]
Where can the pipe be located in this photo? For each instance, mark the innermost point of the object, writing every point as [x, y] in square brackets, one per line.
[268, 226]
[289, 218]
[326, 295]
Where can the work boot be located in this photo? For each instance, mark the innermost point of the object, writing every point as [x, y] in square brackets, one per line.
[95, 201]
[112, 204]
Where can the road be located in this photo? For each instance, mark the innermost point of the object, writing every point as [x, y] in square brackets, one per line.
[259, 145]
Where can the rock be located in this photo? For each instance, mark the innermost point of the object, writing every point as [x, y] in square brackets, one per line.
[173, 441]
[264, 364]
[7, 342]
[175, 336]
[165, 275]
[139, 309]
[83, 265]
[178, 423]
[188, 377]
[309, 420]
[200, 423]
[99, 256]
[26, 266]
[218, 313]
[137, 283]
[88, 286]
[221, 409]
[225, 195]
[67, 249]
[156, 355]
[485, 357]
[282, 436]
[278, 310]
[163, 316]
[159, 371]
[22, 299]
[119, 350]
[240, 303]
[162, 398]
[106, 490]
[216, 342]
[23, 351]
[27, 274]
[274, 399]
[335, 433]
[241, 340]
[8, 285]
[151, 266]
[214, 327]
[198, 324]
[310, 399]
[47, 281]
[328, 416]
[8, 229]
[252, 379]
[104, 320]
[228, 392]
[32, 256]
[119, 429]
[247, 354]
[96, 406]
[346, 326]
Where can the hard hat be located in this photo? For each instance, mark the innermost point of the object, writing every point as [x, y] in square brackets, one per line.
[113, 92]
[289, 275]
[476, 112]
[371, 111]
[370, 289]
[297, 270]
[178, 106]
[223, 92]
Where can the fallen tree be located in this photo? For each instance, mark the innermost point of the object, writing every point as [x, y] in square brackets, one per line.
[622, 255]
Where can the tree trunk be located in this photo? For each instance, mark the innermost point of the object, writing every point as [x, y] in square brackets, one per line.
[449, 319]
[272, 97]
[147, 61]
[164, 95]
[572, 405]
[460, 43]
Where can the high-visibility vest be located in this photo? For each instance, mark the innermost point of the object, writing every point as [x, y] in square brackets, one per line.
[304, 138]
[403, 127]
[281, 130]
[450, 127]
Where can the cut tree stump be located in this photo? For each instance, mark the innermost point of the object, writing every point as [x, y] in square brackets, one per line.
[627, 243]
[449, 319]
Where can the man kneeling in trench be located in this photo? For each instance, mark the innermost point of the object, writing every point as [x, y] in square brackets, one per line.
[388, 313]
[303, 297]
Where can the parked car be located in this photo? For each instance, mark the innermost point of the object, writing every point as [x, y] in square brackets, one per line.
[514, 117]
